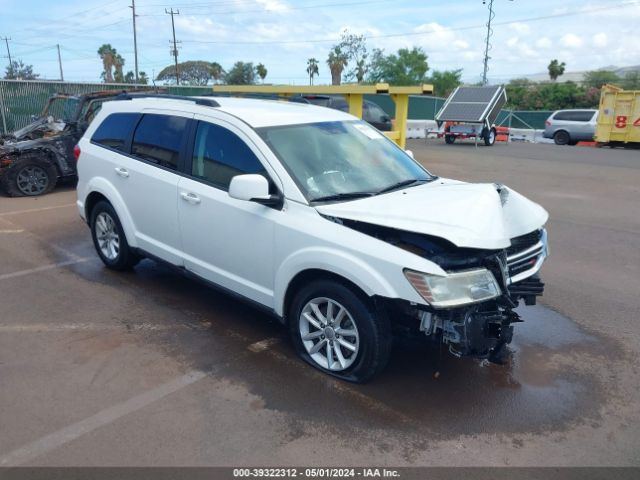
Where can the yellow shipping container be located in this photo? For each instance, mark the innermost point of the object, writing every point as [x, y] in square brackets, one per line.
[619, 117]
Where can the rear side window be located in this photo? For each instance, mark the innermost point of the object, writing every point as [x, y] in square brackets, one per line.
[115, 129]
[219, 155]
[158, 139]
[575, 116]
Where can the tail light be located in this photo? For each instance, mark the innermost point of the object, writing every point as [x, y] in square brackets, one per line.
[76, 152]
[547, 123]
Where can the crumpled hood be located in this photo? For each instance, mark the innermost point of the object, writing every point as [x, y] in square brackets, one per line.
[467, 214]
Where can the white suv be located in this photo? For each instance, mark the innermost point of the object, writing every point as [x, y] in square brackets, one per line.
[314, 216]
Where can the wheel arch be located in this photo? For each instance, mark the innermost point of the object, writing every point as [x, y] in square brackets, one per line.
[99, 189]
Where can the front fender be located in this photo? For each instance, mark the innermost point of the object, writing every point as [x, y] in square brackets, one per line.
[368, 279]
[102, 186]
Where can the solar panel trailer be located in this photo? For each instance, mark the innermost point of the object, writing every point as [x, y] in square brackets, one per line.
[471, 112]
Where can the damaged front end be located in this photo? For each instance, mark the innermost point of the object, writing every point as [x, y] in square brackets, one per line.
[471, 311]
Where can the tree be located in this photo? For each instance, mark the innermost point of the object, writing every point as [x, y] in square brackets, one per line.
[631, 81]
[217, 72]
[312, 69]
[597, 78]
[337, 61]
[407, 67]
[108, 56]
[192, 72]
[242, 73]
[355, 49]
[261, 71]
[444, 82]
[143, 79]
[556, 69]
[118, 75]
[19, 71]
[524, 94]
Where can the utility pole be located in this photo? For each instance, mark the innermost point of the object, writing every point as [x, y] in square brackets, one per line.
[487, 45]
[135, 40]
[6, 41]
[174, 51]
[60, 63]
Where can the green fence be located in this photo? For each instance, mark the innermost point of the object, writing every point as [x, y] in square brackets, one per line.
[20, 100]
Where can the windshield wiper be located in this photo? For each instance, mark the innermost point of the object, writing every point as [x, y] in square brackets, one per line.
[404, 183]
[344, 196]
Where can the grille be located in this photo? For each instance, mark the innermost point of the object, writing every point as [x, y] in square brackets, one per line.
[518, 244]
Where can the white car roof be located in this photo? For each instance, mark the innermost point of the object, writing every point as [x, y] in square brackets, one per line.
[265, 113]
[255, 112]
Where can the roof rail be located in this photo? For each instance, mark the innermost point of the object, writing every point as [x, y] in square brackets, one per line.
[198, 101]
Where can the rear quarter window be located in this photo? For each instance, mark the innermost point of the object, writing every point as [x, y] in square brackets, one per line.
[115, 129]
[575, 116]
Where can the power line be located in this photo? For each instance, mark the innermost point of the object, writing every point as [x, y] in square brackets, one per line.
[175, 47]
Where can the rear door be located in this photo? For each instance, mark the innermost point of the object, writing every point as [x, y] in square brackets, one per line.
[147, 180]
[226, 241]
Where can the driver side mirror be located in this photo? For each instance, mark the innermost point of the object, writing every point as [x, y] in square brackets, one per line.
[253, 188]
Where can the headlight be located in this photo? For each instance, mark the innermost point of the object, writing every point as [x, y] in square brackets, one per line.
[455, 289]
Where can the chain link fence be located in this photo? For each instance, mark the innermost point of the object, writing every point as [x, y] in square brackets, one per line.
[21, 99]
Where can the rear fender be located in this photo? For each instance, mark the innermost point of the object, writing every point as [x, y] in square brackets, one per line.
[102, 186]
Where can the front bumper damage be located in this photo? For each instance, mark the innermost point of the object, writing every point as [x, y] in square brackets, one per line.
[482, 330]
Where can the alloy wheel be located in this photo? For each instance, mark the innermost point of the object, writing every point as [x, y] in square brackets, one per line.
[329, 334]
[107, 236]
[32, 180]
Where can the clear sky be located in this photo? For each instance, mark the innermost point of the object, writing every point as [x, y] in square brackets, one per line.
[283, 34]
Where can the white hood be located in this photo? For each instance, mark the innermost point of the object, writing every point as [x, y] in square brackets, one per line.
[467, 214]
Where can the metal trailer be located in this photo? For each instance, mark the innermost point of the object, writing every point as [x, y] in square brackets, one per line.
[619, 118]
[471, 112]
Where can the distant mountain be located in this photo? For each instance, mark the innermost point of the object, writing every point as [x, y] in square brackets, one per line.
[579, 76]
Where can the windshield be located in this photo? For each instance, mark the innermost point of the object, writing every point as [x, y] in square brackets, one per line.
[62, 108]
[338, 160]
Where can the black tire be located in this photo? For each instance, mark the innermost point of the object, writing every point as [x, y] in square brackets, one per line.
[29, 177]
[489, 137]
[561, 137]
[449, 139]
[125, 258]
[372, 325]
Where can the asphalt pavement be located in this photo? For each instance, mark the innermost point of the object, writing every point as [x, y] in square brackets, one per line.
[99, 368]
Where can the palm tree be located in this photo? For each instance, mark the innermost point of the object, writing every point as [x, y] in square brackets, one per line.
[261, 70]
[108, 56]
[118, 64]
[312, 69]
[337, 60]
[217, 72]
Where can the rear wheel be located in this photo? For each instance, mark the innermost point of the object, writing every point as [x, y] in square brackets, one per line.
[335, 330]
[561, 137]
[29, 178]
[109, 238]
[449, 139]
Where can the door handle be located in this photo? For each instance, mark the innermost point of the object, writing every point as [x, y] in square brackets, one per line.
[192, 198]
[123, 172]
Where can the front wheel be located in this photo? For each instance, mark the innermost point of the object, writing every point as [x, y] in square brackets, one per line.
[336, 330]
[449, 139]
[109, 238]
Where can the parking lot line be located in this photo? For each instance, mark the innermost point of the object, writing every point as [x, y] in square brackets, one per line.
[43, 268]
[32, 210]
[104, 417]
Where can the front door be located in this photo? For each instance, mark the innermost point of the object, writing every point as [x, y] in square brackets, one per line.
[226, 241]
